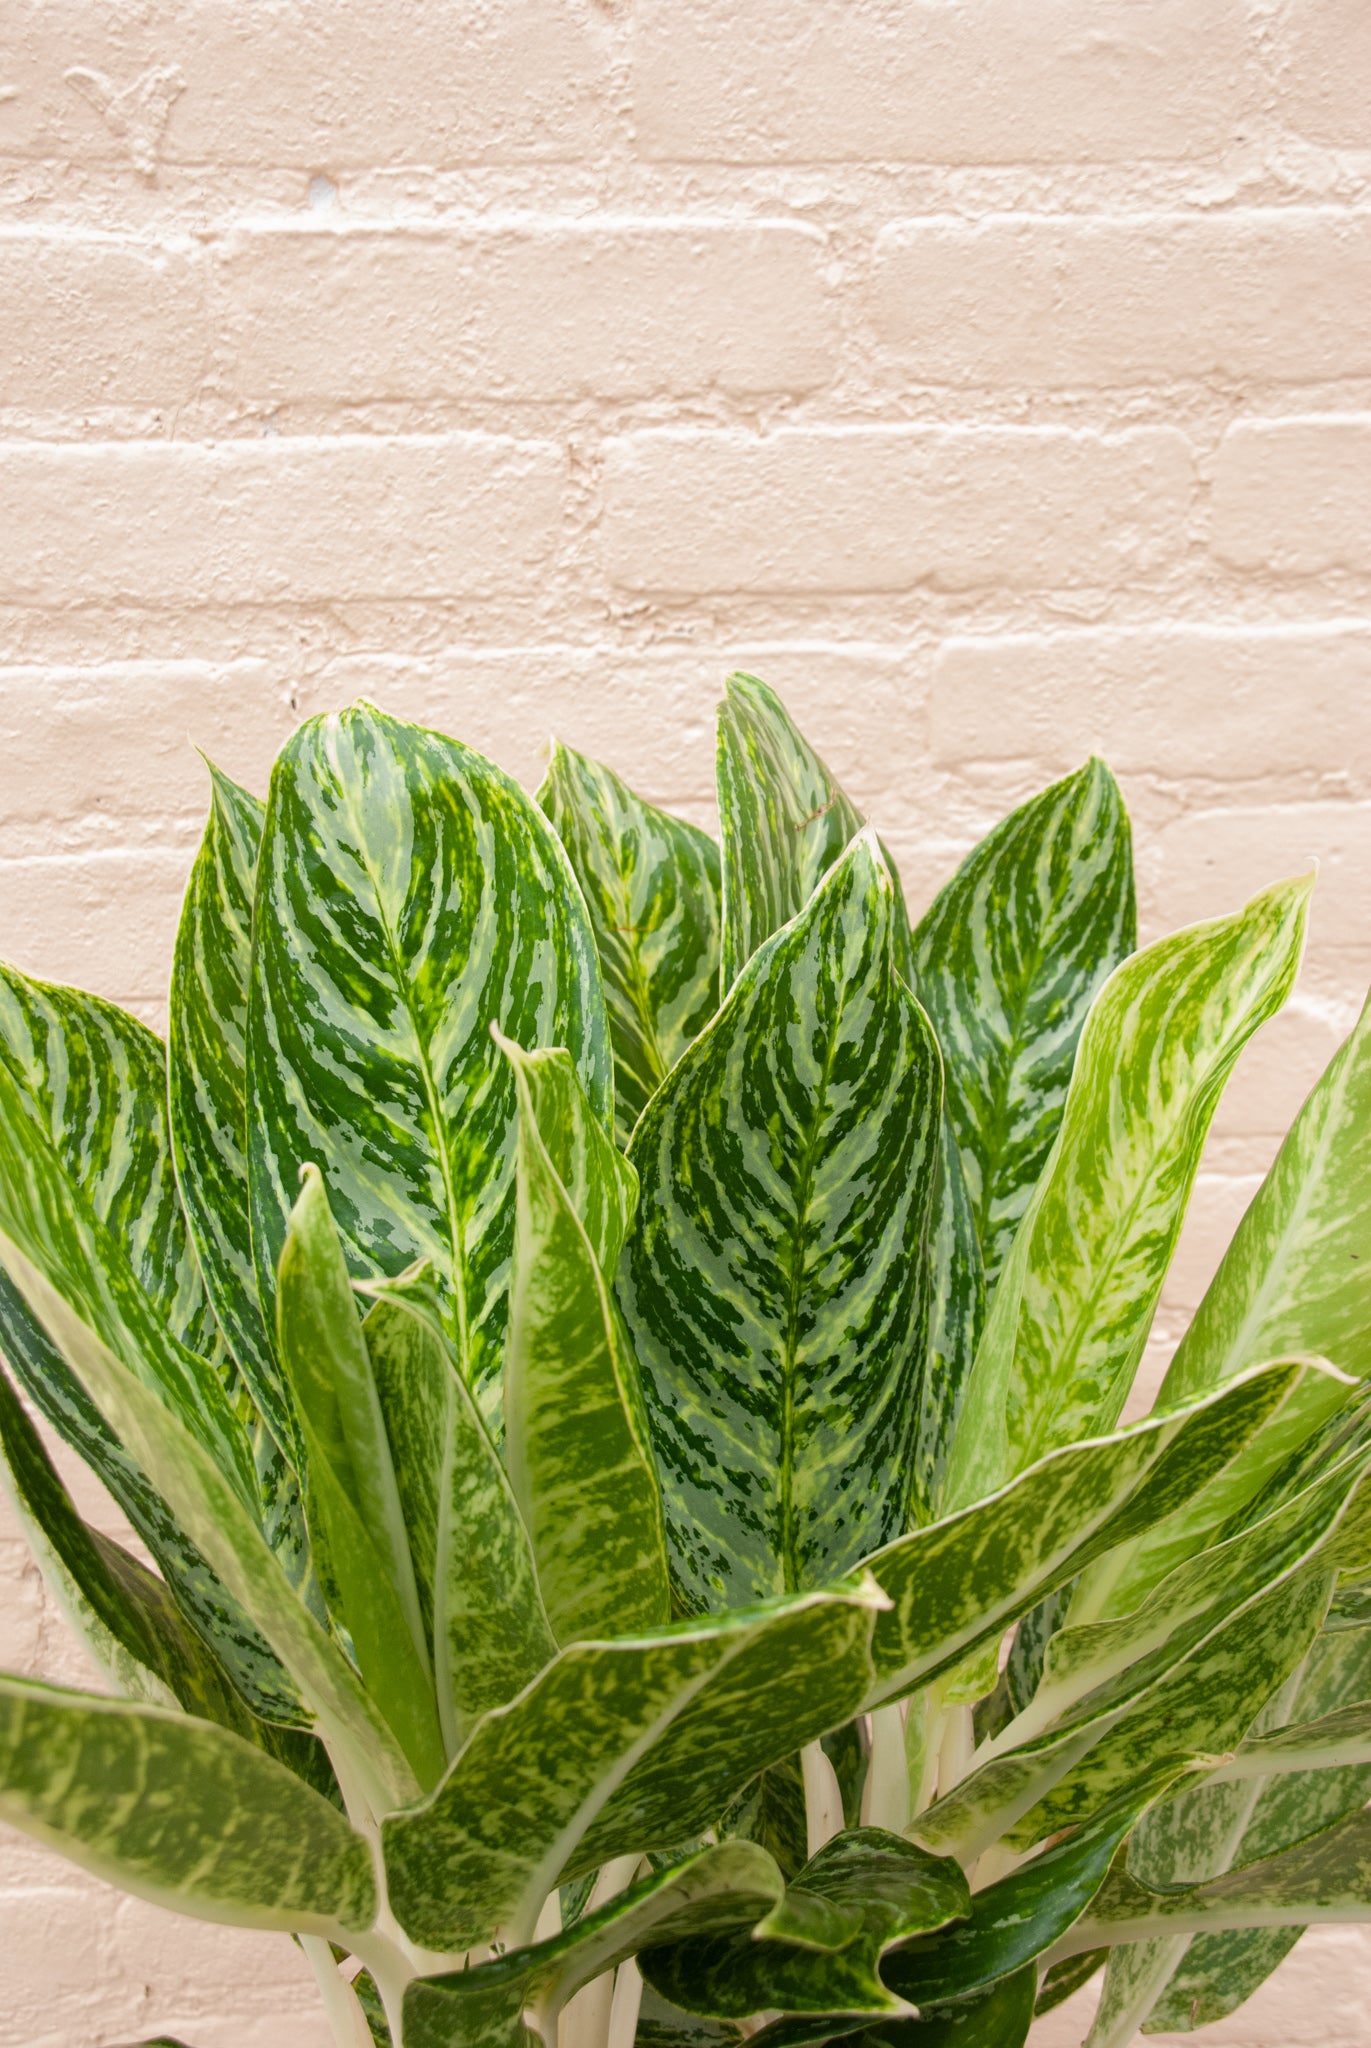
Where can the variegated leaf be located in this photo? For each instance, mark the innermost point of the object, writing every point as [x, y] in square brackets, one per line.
[178, 1812]
[576, 1438]
[473, 1564]
[353, 1501]
[651, 885]
[728, 1886]
[618, 1748]
[1007, 961]
[409, 896]
[955, 1321]
[207, 1091]
[782, 1361]
[1075, 1302]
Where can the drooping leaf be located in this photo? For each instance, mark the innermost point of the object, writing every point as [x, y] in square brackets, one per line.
[1007, 961]
[962, 1581]
[409, 895]
[576, 1440]
[353, 1500]
[207, 1085]
[783, 820]
[619, 1748]
[887, 1889]
[1075, 1302]
[178, 1811]
[651, 885]
[473, 1563]
[782, 1362]
[730, 1885]
[1013, 1922]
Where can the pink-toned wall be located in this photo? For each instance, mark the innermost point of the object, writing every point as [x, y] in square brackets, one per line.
[994, 377]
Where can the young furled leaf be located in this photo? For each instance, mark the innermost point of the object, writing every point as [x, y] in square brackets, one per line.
[651, 885]
[782, 1366]
[576, 1440]
[408, 895]
[1075, 1303]
[1007, 961]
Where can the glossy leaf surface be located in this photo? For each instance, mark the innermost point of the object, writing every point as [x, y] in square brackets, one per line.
[1007, 961]
[782, 1363]
[651, 884]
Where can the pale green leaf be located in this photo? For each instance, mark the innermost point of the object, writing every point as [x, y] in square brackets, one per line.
[576, 1440]
[1007, 961]
[1074, 1305]
[956, 1319]
[409, 895]
[179, 1812]
[776, 1279]
[651, 885]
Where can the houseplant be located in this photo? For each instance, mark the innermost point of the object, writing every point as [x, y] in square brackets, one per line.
[616, 1346]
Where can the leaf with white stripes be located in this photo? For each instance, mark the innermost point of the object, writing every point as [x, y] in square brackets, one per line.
[619, 1748]
[782, 818]
[955, 1320]
[409, 896]
[782, 1361]
[576, 1438]
[651, 885]
[1007, 961]
[207, 1091]
[1075, 1302]
[178, 1812]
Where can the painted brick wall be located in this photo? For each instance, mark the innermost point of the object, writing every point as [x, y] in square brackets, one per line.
[994, 377]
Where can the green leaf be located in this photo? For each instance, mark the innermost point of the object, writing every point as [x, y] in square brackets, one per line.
[884, 1888]
[619, 1748]
[771, 1811]
[409, 895]
[1075, 1303]
[576, 1440]
[370, 1764]
[651, 885]
[1007, 961]
[1293, 1278]
[1015, 1921]
[207, 1085]
[473, 1563]
[728, 1886]
[354, 1502]
[956, 1319]
[783, 820]
[782, 1361]
[179, 1812]
[962, 1581]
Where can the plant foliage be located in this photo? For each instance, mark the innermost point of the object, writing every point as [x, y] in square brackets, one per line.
[615, 1348]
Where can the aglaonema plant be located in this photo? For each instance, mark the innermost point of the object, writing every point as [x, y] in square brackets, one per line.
[615, 1345]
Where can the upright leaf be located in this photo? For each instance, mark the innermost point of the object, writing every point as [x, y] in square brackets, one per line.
[783, 820]
[782, 1361]
[956, 1319]
[207, 1074]
[409, 895]
[1007, 961]
[1075, 1303]
[473, 1564]
[353, 1500]
[178, 1812]
[651, 885]
[576, 1440]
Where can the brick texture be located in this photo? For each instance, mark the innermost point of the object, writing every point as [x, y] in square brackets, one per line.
[994, 378]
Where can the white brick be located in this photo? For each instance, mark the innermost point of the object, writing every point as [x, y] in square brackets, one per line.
[288, 83]
[115, 745]
[1280, 297]
[602, 309]
[1223, 703]
[103, 920]
[249, 522]
[21, 1600]
[1324, 49]
[855, 509]
[1212, 861]
[1293, 497]
[753, 81]
[131, 317]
